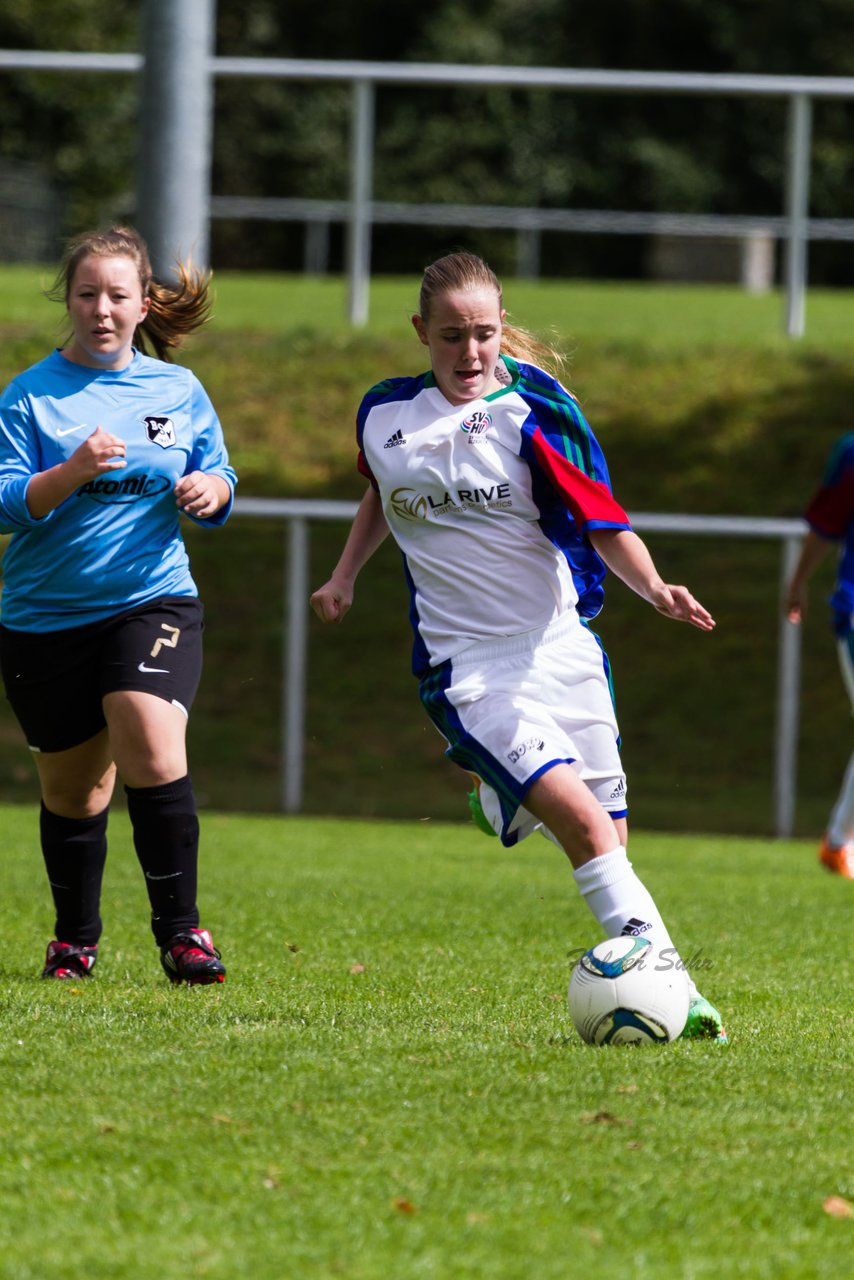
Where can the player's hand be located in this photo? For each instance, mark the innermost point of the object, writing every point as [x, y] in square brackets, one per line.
[331, 601]
[796, 606]
[678, 603]
[98, 453]
[200, 494]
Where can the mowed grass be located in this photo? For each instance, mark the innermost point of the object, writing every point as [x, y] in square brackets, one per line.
[584, 310]
[388, 1086]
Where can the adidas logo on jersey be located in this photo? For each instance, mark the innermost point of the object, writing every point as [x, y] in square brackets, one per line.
[395, 440]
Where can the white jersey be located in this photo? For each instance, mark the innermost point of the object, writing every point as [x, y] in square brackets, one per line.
[489, 502]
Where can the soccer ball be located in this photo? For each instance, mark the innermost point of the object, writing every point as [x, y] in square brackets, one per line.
[620, 992]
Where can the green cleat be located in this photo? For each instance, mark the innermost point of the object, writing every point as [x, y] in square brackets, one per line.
[703, 1022]
[478, 817]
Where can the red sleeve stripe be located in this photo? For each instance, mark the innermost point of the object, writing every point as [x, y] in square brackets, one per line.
[590, 501]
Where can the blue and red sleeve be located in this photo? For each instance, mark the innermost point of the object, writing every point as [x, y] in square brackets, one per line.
[590, 501]
[831, 509]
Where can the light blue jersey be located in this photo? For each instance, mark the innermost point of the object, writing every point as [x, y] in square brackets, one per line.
[116, 541]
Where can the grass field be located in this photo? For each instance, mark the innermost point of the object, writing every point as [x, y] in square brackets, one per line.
[388, 1086]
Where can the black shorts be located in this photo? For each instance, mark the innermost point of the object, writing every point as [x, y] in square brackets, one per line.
[56, 680]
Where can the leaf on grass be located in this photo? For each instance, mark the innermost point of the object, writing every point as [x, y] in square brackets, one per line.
[627, 1088]
[403, 1205]
[219, 1117]
[602, 1117]
[292, 946]
[357, 968]
[838, 1207]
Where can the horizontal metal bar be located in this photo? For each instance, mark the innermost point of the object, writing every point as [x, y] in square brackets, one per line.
[457, 74]
[466, 76]
[651, 522]
[719, 526]
[728, 226]
[42, 60]
[311, 508]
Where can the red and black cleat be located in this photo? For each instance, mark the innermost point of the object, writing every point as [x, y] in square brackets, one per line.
[191, 957]
[67, 960]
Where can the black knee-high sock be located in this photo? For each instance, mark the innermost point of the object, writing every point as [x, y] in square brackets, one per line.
[75, 850]
[166, 838]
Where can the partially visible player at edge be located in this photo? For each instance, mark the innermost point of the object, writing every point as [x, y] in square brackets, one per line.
[493, 486]
[101, 448]
[830, 516]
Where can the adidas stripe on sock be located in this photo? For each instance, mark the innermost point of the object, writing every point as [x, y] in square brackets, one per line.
[622, 904]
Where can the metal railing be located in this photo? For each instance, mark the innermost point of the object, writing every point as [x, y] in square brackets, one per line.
[298, 513]
[361, 212]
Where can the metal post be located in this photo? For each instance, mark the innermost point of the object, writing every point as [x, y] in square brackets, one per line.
[528, 241]
[173, 196]
[316, 255]
[361, 185]
[788, 698]
[294, 667]
[797, 210]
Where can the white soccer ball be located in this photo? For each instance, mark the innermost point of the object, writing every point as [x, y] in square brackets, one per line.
[623, 992]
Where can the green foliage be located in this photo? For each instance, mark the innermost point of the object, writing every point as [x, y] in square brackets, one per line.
[388, 1083]
[457, 144]
[82, 127]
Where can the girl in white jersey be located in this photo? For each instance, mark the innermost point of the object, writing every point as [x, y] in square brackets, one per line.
[492, 484]
[101, 448]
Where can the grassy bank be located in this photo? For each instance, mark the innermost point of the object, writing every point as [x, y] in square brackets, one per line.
[700, 404]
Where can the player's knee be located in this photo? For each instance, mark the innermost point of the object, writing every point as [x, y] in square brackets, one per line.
[67, 803]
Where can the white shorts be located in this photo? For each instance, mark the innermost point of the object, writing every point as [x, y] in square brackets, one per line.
[513, 708]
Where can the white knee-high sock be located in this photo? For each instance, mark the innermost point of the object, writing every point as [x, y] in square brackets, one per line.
[840, 829]
[622, 905]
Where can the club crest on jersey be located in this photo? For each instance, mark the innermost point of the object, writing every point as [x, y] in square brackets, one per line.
[160, 430]
[476, 425]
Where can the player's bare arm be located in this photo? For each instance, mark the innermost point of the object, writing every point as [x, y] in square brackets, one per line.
[201, 494]
[628, 557]
[813, 551]
[98, 453]
[332, 601]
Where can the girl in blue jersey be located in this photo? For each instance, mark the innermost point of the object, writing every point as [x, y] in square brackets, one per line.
[102, 447]
[830, 516]
[491, 482]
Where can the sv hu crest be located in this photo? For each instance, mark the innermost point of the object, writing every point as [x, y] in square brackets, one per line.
[160, 431]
